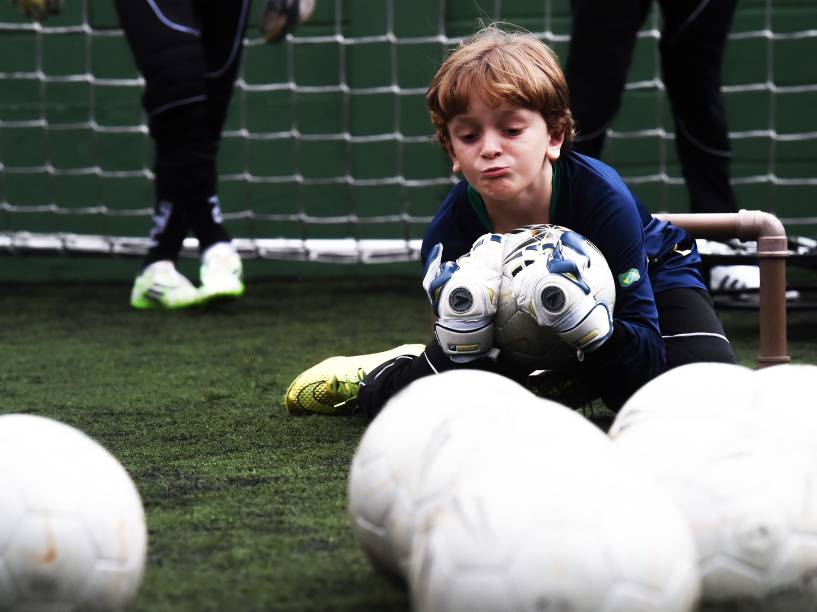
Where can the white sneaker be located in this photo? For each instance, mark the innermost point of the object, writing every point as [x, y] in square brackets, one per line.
[220, 273]
[741, 278]
[735, 278]
[160, 285]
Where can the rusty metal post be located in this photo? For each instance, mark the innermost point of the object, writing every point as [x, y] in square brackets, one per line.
[772, 250]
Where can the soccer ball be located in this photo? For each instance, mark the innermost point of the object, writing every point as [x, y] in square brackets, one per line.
[519, 337]
[783, 397]
[559, 526]
[433, 433]
[742, 472]
[72, 527]
[700, 389]
[386, 467]
[784, 407]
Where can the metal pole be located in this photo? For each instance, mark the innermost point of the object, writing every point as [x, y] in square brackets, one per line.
[772, 250]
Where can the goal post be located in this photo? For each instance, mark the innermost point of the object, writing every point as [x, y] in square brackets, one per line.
[327, 154]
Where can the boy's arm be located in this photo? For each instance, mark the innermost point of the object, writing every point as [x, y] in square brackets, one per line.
[634, 354]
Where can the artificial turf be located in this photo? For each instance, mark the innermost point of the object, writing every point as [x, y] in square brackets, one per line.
[245, 504]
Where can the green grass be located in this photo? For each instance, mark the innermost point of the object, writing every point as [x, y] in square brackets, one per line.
[245, 505]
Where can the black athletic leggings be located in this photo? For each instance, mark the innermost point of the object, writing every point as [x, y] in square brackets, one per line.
[689, 325]
[188, 52]
[693, 39]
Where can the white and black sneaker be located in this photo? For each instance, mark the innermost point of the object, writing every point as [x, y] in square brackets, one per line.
[221, 273]
[160, 285]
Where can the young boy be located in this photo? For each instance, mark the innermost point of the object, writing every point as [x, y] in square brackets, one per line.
[500, 106]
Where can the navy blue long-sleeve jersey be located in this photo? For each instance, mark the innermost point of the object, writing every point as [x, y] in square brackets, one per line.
[646, 256]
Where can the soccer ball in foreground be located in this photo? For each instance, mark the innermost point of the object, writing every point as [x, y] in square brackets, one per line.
[739, 464]
[72, 527]
[697, 390]
[516, 333]
[784, 401]
[431, 435]
[554, 527]
[387, 466]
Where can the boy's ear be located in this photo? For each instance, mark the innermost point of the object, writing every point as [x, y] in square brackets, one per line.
[555, 141]
[455, 165]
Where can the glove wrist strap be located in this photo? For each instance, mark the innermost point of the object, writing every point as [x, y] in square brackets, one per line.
[591, 332]
[465, 338]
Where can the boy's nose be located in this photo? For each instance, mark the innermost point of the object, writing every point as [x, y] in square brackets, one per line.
[490, 147]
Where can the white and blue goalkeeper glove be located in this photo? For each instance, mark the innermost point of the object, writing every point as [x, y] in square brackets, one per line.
[552, 289]
[464, 295]
[38, 9]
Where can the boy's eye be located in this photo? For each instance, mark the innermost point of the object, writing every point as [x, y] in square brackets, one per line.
[513, 131]
[468, 136]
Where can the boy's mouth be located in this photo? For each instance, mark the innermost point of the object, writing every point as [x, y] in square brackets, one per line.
[495, 171]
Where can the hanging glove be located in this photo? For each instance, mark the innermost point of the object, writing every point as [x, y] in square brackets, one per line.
[38, 9]
[280, 17]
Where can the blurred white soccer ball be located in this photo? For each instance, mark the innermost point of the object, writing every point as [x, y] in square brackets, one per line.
[387, 465]
[697, 390]
[733, 469]
[431, 435]
[557, 527]
[72, 527]
[784, 400]
[516, 332]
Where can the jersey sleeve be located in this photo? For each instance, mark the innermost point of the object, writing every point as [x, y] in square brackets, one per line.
[635, 352]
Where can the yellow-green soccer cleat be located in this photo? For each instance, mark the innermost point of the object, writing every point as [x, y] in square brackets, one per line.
[331, 386]
[160, 285]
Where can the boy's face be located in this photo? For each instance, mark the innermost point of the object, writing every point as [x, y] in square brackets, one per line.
[504, 151]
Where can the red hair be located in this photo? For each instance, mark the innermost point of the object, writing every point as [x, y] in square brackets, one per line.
[512, 67]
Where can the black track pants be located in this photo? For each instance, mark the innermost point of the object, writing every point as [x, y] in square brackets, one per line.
[692, 47]
[188, 52]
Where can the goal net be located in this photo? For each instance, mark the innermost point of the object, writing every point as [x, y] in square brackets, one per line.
[327, 152]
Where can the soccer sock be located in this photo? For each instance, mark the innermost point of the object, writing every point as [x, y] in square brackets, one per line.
[167, 234]
[207, 223]
[186, 170]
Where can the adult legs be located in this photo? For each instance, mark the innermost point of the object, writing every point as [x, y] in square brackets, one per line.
[602, 39]
[169, 40]
[222, 30]
[692, 49]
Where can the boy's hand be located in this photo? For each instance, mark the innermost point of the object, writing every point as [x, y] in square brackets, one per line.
[551, 288]
[464, 295]
[280, 17]
[38, 9]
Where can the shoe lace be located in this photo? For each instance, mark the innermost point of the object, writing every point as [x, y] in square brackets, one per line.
[346, 390]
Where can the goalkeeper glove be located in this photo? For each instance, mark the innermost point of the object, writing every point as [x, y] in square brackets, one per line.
[38, 9]
[280, 17]
[551, 288]
[464, 295]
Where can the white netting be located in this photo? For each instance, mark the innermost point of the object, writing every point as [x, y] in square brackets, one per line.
[327, 154]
